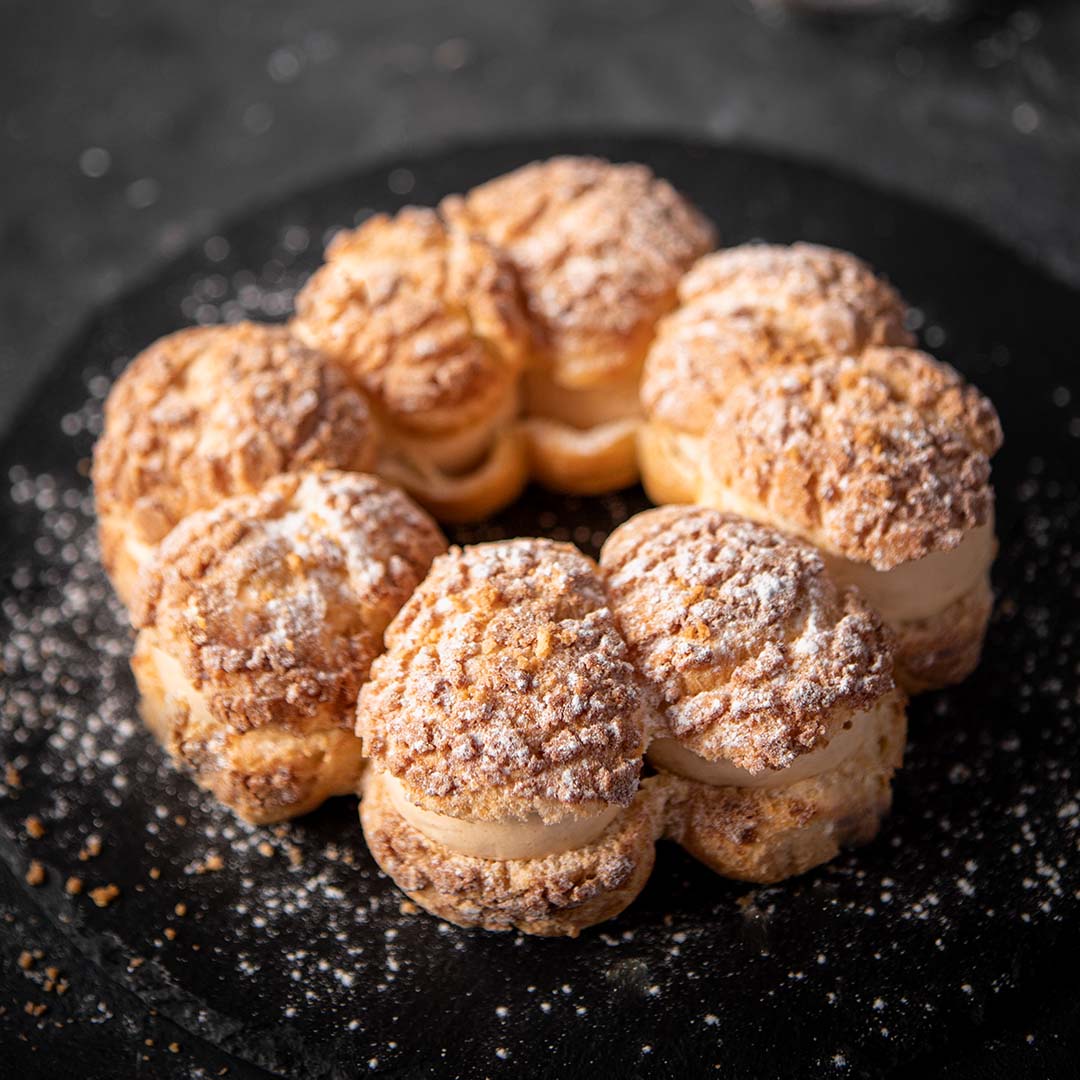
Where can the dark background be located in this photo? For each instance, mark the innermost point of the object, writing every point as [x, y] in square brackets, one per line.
[129, 130]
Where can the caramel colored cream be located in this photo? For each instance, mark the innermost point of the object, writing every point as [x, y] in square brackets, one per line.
[672, 756]
[506, 839]
[456, 452]
[583, 408]
[909, 592]
[916, 590]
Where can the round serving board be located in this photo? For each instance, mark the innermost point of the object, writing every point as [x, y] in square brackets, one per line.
[292, 952]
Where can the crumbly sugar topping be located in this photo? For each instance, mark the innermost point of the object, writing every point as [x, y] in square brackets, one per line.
[751, 652]
[424, 317]
[599, 249]
[828, 300]
[210, 412]
[701, 352]
[883, 459]
[275, 604]
[505, 689]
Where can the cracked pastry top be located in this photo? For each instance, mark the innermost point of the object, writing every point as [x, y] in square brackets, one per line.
[745, 310]
[423, 316]
[599, 249]
[275, 604]
[881, 460]
[700, 355]
[505, 692]
[752, 654]
[828, 300]
[208, 413]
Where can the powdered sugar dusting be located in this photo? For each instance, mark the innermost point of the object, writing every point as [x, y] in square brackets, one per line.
[276, 603]
[951, 925]
[883, 459]
[599, 249]
[829, 300]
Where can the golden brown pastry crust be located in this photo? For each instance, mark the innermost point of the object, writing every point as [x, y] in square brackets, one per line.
[427, 320]
[423, 316]
[744, 313]
[505, 690]
[559, 895]
[492, 482]
[211, 412]
[701, 353]
[752, 653]
[264, 775]
[599, 250]
[274, 607]
[670, 463]
[883, 459]
[828, 301]
[766, 835]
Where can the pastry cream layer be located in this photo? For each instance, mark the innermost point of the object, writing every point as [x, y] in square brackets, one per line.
[616, 399]
[916, 590]
[671, 755]
[906, 593]
[507, 839]
[456, 451]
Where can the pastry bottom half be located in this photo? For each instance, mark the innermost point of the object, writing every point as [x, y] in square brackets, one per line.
[670, 463]
[485, 487]
[944, 648]
[264, 775]
[556, 895]
[765, 835]
[582, 461]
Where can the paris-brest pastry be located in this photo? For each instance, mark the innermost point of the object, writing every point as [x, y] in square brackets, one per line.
[211, 412]
[425, 319]
[599, 250]
[505, 732]
[731, 675]
[777, 723]
[258, 622]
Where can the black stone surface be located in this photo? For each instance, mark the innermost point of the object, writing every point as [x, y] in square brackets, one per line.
[935, 950]
[209, 107]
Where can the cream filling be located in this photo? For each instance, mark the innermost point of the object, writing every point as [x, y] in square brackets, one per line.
[454, 452]
[505, 839]
[616, 399]
[919, 589]
[909, 592]
[671, 755]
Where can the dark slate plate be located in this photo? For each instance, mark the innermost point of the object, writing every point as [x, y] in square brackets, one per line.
[296, 954]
